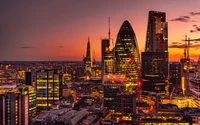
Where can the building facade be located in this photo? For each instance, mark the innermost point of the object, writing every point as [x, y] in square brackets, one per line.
[127, 61]
[155, 57]
[87, 60]
[107, 57]
[14, 107]
[122, 104]
[48, 88]
[174, 75]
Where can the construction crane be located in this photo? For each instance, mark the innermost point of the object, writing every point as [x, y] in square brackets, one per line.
[171, 95]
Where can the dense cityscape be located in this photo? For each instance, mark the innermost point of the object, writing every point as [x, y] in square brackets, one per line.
[126, 87]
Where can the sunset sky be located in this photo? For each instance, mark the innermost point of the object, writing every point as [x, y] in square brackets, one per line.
[40, 30]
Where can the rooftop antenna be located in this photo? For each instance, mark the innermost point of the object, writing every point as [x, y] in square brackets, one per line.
[109, 28]
[94, 55]
[188, 47]
[185, 46]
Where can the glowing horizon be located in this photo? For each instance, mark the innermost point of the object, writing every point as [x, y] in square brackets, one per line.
[39, 31]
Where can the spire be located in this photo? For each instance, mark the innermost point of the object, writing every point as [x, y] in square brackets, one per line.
[88, 56]
[88, 39]
[109, 28]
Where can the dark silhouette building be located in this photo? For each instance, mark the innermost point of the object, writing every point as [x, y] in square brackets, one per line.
[174, 75]
[121, 103]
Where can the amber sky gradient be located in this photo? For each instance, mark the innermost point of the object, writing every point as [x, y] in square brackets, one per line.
[58, 29]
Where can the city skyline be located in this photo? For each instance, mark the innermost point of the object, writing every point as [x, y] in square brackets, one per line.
[41, 30]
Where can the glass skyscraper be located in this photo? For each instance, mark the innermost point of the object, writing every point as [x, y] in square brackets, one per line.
[157, 32]
[127, 59]
[155, 57]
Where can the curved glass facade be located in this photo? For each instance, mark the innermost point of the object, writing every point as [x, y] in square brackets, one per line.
[127, 59]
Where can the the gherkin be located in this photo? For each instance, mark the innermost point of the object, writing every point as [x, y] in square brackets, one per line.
[127, 59]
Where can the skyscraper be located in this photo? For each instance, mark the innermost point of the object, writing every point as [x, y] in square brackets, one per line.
[48, 88]
[155, 57]
[87, 60]
[13, 107]
[127, 59]
[107, 57]
[157, 32]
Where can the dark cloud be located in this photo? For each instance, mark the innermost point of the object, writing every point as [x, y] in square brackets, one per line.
[176, 43]
[197, 29]
[192, 31]
[198, 39]
[60, 47]
[180, 46]
[194, 13]
[186, 17]
[177, 46]
[177, 54]
[182, 19]
[27, 47]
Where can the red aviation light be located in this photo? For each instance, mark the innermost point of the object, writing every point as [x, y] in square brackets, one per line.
[129, 59]
[139, 84]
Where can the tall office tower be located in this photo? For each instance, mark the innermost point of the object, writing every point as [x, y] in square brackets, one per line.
[48, 88]
[157, 32]
[174, 75]
[87, 60]
[155, 57]
[106, 57]
[13, 107]
[127, 59]
[154, 73]
[121, 103]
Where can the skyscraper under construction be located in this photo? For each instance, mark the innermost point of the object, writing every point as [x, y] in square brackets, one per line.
[155, 57]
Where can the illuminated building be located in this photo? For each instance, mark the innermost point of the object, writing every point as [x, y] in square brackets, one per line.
[66, 78]
[174, 75]
[195, 91]
[157, 32]
[30, 91]
[164, 119]
[106, 57]
[122, 104]
[155, 57]
[48, 88]
[87, 60]
[96, 69]
[154, 73]
[181, 101]
[127, 59]
[14, 107]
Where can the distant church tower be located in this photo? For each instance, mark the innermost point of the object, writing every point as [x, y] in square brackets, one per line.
[87, 59]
